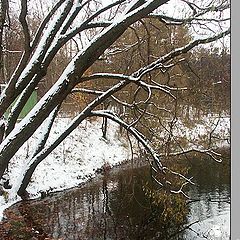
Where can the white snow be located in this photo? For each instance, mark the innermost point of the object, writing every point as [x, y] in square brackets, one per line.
[199, 133]
[84, 151]
[69, 164]
[41, 47]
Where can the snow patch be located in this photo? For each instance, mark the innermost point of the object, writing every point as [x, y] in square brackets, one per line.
[71, 163]
[85, 150]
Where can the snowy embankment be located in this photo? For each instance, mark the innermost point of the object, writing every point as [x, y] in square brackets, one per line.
[195, 133]
[71, 163]
[85, 150]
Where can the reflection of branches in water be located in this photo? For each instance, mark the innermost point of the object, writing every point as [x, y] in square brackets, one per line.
[105, 197]
[204, 235]
[59, 222]
[91, 219]
[197, 233]
[134, 196]
[209, 200]
[156, 165]
[182, 230]
[108, 215]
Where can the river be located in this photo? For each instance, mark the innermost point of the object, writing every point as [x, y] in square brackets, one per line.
[125, 204]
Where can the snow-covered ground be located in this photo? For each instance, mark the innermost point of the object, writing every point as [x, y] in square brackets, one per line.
[72, 162]
[196, 131]
[85, 150]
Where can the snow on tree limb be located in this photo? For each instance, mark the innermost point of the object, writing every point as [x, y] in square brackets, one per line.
[24, 74]
[134, 92]
[134, 132]
[208, 152]
[68, 79]
[176, 52]
[198, 15]
[139, 137]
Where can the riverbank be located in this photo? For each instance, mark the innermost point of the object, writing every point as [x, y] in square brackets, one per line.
[83, 154]
[124, 203]
[74, 161]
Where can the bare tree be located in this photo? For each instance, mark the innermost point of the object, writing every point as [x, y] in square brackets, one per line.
[64, 22]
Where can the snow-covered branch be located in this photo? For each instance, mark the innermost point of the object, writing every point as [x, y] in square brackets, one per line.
[43, 139]
[133, 79]
[199, 14]
[176, 52]
[75, 122]
[79, 64]
[28, 66]
[133, 131]
[209, 152]
[98, 93]
[139, 137]
[44, 23]
[61, 56]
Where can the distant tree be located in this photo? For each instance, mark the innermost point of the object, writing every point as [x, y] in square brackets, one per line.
[103, 25]
[212, 76]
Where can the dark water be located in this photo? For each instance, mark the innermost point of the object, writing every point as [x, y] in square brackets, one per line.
[126, 204]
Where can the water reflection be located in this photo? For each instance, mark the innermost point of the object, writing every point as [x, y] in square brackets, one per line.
[213, 206]
[118, 206]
